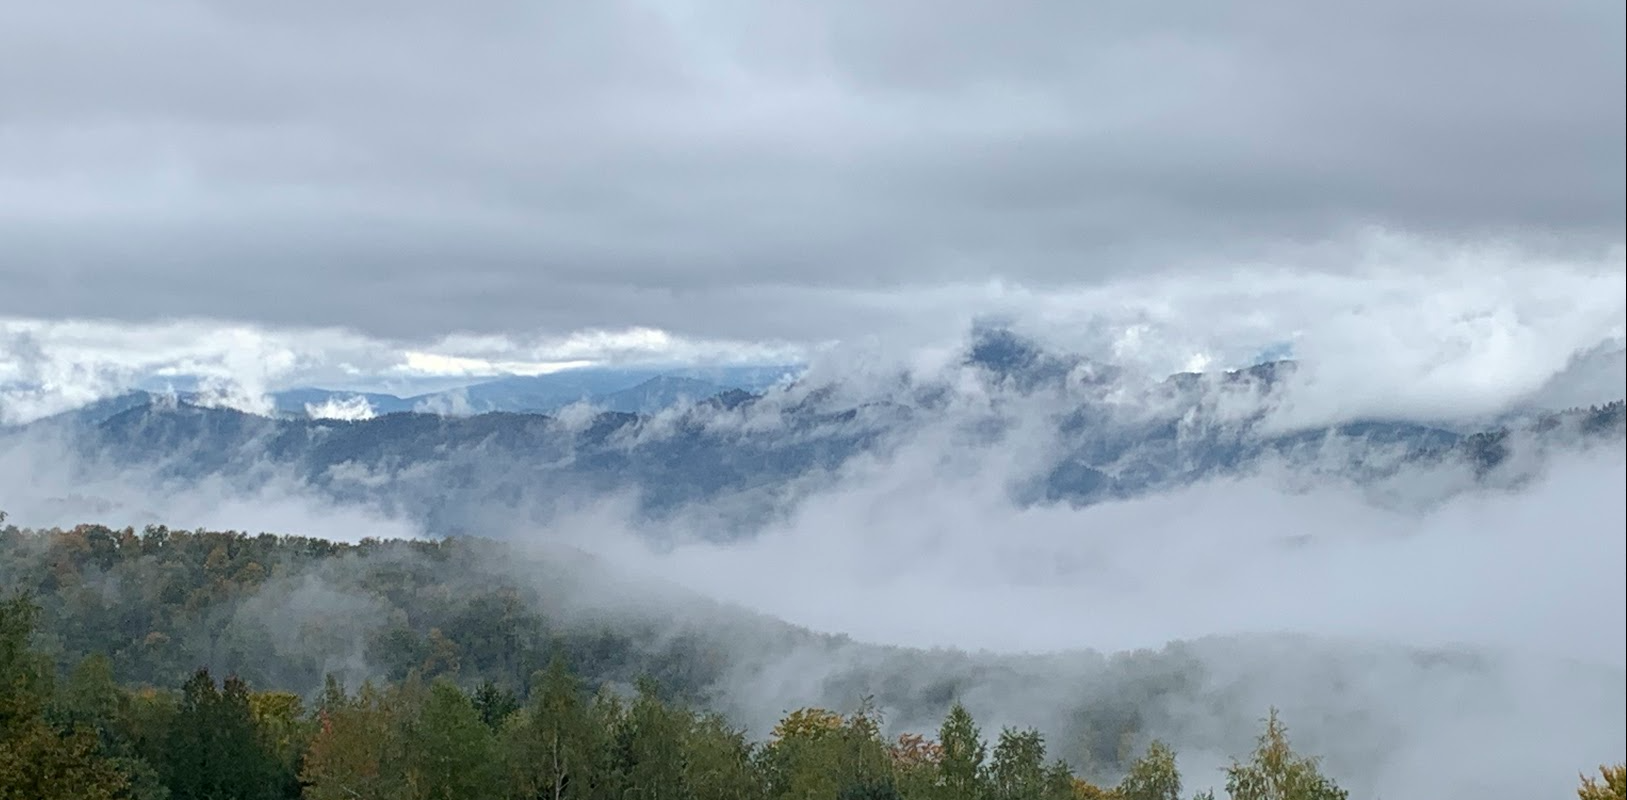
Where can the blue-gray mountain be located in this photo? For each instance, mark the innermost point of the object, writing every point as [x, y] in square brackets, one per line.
[749, 454]
[631, 390]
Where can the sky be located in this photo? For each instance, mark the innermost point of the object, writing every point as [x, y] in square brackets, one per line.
[1422, 200]
[398, 191]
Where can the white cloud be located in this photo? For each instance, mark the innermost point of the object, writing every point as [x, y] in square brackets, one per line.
[50, 366]
[418, 363]
[927, 549]
[956, 564]
[353, 408]
[1409, 329]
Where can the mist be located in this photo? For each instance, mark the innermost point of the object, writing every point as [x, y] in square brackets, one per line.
[1411, 618]
[887, 559]
[1144, 369]
[1403, 624]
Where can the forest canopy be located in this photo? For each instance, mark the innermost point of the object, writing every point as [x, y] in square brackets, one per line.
[102, 633]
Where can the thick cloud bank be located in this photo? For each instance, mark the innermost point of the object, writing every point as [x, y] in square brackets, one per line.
[893, 558]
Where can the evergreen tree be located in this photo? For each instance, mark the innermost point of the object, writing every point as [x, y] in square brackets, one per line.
[214, 750]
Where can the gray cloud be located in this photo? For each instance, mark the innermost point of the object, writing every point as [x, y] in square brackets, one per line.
[793, 172]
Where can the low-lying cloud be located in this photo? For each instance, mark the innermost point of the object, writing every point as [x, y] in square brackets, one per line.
[1412, 622]
[901, 553]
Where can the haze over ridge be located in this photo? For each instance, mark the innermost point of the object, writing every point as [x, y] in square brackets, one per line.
[1090, 364]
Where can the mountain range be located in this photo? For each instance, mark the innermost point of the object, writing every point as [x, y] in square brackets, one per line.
[634, 390]
[673, 440]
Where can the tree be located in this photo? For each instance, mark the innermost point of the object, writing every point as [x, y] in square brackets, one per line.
[1610, 785]
[961, 767]
[649, 744]
[24, 674]
[552, 746]
[39, 761]
[284, 734]
[800, 759]
[915, 764]
[450, 753]
[1277, 773]
[214, 749]
[719, 761]
[91, 693]
[875, 789]
[819, 753]
[494, 704]
[352, 754]
[1018, 770]
[1153, 776]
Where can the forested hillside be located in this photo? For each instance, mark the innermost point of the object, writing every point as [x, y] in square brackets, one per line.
[459, 690]
[86, 738]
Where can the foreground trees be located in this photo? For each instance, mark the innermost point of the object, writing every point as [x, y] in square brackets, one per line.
[89, 739]
[483, 700]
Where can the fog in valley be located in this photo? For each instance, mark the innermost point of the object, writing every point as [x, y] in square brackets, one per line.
[1125, 372]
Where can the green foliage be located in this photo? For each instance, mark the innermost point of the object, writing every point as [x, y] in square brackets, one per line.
[649, 748]
[88, 711]
[961, 765]
[450, 753]
[1152, 777]
[40, 760]
[552, 746]
[1277, 773]
[720, 761]
[1018, 770]
[355, 752]
[495, 704]
[24, 674]
[215, 749]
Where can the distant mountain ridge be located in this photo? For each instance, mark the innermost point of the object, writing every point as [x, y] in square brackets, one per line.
[746, 453]
[637, 390]
[629, 390]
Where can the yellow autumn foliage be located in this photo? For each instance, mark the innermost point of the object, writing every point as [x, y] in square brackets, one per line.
[1610, 785]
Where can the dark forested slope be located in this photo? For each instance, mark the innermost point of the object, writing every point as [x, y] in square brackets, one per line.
[346, 660]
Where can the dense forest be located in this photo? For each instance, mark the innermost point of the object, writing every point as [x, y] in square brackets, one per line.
[104, 693]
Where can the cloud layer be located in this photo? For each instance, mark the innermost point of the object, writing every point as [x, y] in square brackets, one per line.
[1421, 202]
[1417, 331]
[735, 173]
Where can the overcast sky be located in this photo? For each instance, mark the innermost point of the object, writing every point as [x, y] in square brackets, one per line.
[782, 174]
